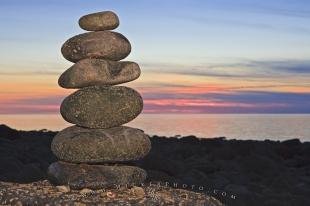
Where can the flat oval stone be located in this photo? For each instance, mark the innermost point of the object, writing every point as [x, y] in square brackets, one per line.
[100, 21]
[102, 107]
[101, 44]
[80, 176]
[118, 144]
[91, 72]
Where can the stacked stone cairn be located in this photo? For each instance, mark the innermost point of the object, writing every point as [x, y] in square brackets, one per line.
[98, 152]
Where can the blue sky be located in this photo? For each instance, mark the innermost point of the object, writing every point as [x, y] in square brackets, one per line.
[248, 46]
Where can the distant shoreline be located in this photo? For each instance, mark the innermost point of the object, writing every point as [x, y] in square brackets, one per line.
[177, 136]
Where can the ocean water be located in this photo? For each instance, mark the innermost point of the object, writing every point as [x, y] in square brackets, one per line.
[231, 126]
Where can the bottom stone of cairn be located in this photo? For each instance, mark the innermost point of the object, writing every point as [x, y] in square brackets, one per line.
[79, 176]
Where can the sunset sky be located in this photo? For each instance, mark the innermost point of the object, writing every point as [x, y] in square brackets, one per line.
[196, 56]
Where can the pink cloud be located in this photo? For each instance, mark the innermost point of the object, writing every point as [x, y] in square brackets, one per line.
[176, 101]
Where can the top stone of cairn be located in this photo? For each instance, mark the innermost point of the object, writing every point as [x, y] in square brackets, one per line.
[106, 20]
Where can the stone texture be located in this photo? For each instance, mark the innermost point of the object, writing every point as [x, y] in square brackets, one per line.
[101, 44]
[79, 176]
[106, 20]
[83, 145]
[102, 107]
[91, 72]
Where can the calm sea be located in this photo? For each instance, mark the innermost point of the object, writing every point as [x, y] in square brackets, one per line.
[245, 126]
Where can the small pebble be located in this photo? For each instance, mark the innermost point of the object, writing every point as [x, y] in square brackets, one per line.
[63, 188]
[19, 203]
[137, 191]
[111, 195]
[86, 192]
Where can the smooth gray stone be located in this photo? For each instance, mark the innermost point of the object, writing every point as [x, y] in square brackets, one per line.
[80, 176]
[100, 21]
[101, 107]
[91, 72]
[118, 144]
[100, 44]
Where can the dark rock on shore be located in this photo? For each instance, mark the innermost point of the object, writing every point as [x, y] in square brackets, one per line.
[256, 173]
[8, 133]
[117, 144]
[24, 155]
[102, 107]
[79, 176]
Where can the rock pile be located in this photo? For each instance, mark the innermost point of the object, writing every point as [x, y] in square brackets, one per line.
[97, 151]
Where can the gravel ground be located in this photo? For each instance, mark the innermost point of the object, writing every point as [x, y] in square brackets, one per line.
[42, 193]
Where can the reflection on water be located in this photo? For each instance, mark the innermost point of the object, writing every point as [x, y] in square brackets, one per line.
[276, 127]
